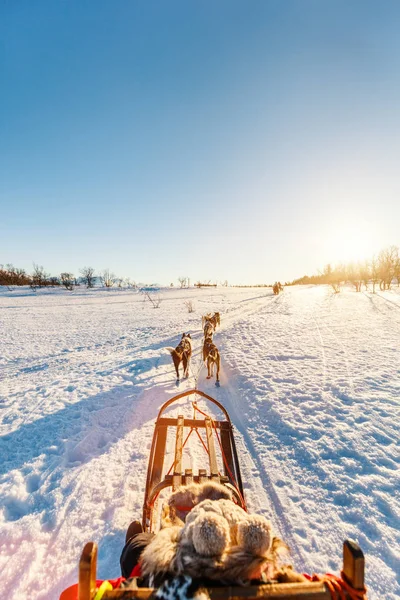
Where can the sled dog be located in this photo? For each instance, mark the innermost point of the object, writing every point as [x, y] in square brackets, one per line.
[212, 357]
[182, 354]
[214, 320]
[208, 330]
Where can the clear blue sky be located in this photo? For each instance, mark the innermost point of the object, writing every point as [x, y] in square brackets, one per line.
[248, 141]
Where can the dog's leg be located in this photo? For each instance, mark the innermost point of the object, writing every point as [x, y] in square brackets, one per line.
[208, 368]
[218, 368]
[175, 358]
[185, 366]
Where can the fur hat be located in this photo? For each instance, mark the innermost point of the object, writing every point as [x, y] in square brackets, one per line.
[187, 496]
[218, 541]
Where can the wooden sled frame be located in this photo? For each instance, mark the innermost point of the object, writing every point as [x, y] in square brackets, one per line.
[353, 558]
[216, 432]
[353, 573]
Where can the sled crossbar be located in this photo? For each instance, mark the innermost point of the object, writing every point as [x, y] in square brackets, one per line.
[353, 569]
[198, 423]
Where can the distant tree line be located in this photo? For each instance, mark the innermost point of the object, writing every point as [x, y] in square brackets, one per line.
[381, 270]
[10, 276]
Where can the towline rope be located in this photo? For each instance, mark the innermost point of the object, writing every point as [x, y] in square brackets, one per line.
[338, 587]
[222, 454]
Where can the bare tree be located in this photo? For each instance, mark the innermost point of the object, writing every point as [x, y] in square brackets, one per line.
[387, 260]
[11, 276]
[155, 299]
[365, 273]
[182, 281]
[130, 284]
[67, 280]
[334, 276]
[354, 275]
[397, 270]
[107, 278]
[88, 276]
[374, 272]
[189, 305]
[39, 277]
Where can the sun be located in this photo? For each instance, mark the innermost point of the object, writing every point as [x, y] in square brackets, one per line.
[355, 243]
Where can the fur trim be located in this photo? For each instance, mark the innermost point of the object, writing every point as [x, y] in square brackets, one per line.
[287, 575]
[190, 495]
[158, 556]
[219, 541]
[209, 534]
[254, 535]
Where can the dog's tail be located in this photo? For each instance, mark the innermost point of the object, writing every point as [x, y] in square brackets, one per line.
[171, 350]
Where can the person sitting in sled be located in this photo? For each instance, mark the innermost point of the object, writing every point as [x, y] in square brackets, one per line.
[205, 539]
[204, 535]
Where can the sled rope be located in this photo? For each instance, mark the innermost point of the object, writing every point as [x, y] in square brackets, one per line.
[104, 587]
[196, 408]
[202, 441]
[338, 587]
[197, 374]
[183, 445]
[172, 466]
[222, 453]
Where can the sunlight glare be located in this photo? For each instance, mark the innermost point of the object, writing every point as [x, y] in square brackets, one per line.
[347, 243]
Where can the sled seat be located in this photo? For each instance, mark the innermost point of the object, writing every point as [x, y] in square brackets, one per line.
[352, 573]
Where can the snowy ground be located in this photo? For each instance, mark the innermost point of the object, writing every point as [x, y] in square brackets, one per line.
[312, 383]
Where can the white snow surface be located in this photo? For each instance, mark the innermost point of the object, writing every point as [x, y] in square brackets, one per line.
[311, 381]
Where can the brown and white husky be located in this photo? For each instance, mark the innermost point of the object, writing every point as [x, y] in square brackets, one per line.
[212, 357]
[182, 354]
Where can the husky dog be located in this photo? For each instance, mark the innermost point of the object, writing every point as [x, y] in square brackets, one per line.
[208, 330]
[182, 354]
[214, 320]
[212, 357]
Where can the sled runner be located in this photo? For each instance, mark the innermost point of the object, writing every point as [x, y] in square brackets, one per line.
[217, 440]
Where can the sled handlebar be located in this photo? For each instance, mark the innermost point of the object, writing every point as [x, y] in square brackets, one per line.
[189, 393]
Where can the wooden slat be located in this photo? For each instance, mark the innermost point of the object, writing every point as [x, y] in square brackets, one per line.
[87, 572]
[282, 591]
[226, 446]
[202, 475]
[353, 564]
[159, 455]
[177, 476]
[211, 449]
[188, 476]
[178, 446]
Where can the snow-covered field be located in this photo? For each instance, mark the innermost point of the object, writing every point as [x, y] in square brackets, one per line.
[311, 381]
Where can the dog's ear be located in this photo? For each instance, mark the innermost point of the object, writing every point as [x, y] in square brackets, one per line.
[188, 335]
[183, 335]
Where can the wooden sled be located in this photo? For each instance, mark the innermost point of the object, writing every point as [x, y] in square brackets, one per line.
[219, 434]
[224, 468]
